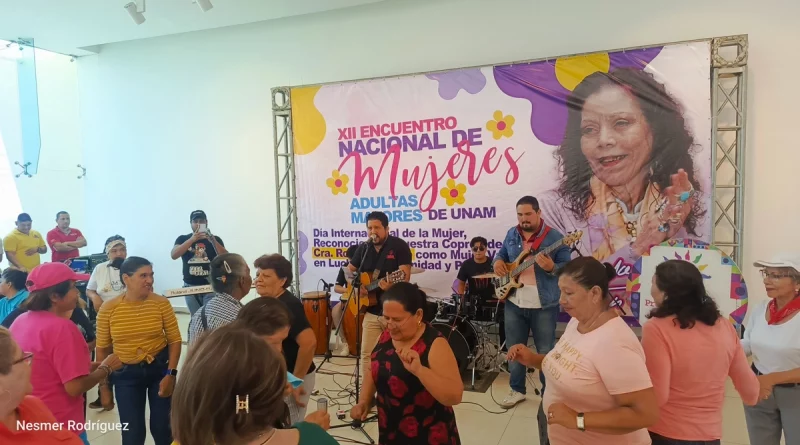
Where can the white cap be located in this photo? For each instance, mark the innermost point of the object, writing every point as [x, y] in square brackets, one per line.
[782, 260]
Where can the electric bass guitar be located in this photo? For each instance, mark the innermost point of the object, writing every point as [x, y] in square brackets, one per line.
[351, 295]
[508, 283]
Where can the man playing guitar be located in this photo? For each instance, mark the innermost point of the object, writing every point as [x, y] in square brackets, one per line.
[534, 306]
[384, 254]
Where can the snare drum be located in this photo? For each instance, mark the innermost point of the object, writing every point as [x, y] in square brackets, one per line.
[439, 309]
[317, 308]
[489, 310]
[463, 339]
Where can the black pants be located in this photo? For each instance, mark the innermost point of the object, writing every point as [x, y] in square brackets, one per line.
[661, 440]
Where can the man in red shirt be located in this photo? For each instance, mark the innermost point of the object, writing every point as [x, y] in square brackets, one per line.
[63, 240]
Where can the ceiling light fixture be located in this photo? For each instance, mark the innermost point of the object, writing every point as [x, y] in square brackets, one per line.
[136, 12]
[204, 5]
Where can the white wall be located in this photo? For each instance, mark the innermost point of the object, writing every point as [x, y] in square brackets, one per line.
[56, 186]
[186, 119]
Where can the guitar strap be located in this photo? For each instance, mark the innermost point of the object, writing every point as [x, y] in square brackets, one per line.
[381, 259]
[538, 239]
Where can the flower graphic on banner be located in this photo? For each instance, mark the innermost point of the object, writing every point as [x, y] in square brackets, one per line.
[470, 80]
[453, 193]
[546, 85]
[302, 246]
[695, 261]
[501, 125]
[338, 182]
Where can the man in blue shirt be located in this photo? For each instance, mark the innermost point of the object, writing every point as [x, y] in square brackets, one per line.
[12, 290]
[534, 306]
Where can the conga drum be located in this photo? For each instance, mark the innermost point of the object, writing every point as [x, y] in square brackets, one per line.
[350, 326]
[317, 308]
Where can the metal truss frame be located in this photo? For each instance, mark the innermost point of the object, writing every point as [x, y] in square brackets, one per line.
[285, 184]
[728, 137]
[728, 141]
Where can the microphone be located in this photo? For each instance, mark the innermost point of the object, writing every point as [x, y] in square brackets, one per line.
[372, 239]
[325, 284]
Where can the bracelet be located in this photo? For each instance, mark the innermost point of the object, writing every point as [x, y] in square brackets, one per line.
[106, 369]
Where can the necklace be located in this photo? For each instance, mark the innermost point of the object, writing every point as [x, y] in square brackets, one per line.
[268, 438]
[602, 318]
[630, 226]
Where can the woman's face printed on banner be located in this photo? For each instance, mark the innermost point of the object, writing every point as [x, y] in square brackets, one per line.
[615, 136]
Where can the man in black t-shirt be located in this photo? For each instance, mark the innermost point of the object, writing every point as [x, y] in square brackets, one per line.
[196, 250]
[480, 290]
[387, 254]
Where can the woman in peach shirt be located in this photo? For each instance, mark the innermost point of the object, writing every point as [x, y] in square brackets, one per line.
[598, 389]
[691, 350]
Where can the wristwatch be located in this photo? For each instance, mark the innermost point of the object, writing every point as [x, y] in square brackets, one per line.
[581, 424]
[172, 372]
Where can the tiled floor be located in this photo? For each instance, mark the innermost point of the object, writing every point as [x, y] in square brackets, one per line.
[476, 425]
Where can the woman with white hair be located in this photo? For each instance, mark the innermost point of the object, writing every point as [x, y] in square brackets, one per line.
[772, 337]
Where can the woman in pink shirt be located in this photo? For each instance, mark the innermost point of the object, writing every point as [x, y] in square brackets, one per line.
[62, 369]
[19, 410]
[691, 350]
[598, 389]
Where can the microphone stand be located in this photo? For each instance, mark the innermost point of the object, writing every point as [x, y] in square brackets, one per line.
[357, 424]
[328, 352]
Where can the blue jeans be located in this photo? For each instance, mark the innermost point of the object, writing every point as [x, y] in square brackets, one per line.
[84, 437]
[519, 323]
[133, 385]
[195, 302]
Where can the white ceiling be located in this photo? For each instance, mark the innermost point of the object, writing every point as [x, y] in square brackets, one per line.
[76, 26]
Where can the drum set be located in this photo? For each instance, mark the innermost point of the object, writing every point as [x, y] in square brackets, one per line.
[472, 326]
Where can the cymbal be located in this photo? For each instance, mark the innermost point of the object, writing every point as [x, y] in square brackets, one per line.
[486, 275]
[416, 270]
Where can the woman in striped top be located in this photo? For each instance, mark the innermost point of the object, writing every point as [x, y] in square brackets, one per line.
[142, 330]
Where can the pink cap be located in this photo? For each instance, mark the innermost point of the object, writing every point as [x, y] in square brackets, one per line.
[49, 274]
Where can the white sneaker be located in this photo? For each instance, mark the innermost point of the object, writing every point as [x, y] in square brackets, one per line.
[512, 399]
[344, 349]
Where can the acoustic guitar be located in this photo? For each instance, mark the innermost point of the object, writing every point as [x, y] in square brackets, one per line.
[351, 295]
[508, 283]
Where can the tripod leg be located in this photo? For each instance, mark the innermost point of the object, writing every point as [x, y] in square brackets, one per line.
[328, 352]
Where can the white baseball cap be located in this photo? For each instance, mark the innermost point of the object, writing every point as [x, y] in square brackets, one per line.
[782, 260]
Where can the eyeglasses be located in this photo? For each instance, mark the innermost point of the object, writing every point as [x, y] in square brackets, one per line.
[391, 323]
[774, 276]
[479, 248]
[27, 357]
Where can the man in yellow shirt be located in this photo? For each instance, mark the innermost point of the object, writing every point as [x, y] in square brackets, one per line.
[24, 246]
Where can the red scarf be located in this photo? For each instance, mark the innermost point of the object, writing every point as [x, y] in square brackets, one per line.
[536, 240]
[776, 316]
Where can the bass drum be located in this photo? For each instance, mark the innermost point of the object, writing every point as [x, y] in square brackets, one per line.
[463, 340]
